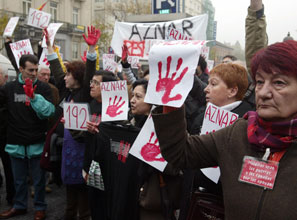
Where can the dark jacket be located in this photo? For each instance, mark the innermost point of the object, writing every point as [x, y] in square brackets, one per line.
[226, 148]
[119, 171]
[24, 126]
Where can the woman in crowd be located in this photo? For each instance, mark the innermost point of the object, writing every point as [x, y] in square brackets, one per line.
[267, 135]
[151, 204]
[226, 87]
[74, 87]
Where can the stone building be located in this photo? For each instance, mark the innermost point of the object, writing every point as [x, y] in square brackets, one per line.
[75, 15]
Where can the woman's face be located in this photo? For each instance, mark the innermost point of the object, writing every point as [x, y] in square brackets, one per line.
[276, 95]
[138, 106]
[70, 82]
[218, 93]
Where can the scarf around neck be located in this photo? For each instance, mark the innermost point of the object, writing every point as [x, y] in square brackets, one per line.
[277, 136]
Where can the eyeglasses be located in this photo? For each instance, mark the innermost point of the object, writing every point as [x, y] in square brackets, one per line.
[96, 83]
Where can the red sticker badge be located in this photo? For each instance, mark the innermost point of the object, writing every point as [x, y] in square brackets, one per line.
[258, 172]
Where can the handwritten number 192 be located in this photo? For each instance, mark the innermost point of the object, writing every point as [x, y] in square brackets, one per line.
[74, 113]
[42, 20]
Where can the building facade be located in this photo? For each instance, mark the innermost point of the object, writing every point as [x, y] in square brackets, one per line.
[75, 15]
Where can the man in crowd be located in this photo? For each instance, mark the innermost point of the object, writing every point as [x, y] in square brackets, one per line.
[29, 106]
[44, 75]
[229, 59]
[4, 155]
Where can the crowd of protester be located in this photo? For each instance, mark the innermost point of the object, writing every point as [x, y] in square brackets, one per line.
[34, 141]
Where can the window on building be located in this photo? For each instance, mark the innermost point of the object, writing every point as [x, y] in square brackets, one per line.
[53, 10]
[74, 50]
[26, 6]
[75, 16]
[99, 0]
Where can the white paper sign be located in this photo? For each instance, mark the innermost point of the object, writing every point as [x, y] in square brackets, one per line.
[146, 146]
[210, 64]
[213, 173]
[9, 29]
[205, 52]
[141, 35]
[133, 62]
[20, 48]
[43, 58]
[215, 118]
[38, 19]
[172, 67]
[114, 100]
[109, 63]
[76, 115]
[52, 30]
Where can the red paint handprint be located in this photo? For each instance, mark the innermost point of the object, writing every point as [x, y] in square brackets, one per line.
[167, 84]
[150, 150]
[45, 61]
[113, 108]
[23, 53]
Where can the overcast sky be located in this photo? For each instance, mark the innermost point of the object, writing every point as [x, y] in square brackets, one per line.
[281, 17]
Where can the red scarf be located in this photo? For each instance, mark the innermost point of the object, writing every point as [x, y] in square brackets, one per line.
[277, 136]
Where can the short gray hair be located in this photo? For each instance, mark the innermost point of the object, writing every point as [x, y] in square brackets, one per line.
[43, 66]
[4, 71]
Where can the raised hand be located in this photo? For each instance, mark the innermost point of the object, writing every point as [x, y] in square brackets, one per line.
[124, 53]
[151, 150]
[167, 84]
[113, 108]
[29, 90]
[93, 36]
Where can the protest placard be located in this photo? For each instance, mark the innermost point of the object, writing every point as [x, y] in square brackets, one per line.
[20, 48]
[215, 118]
[210, 64]
[9, 29]
[133, 61]
[43, 59]
[76, 115]
[115, 102]
[52, 30]
[205, 52]
[146, 146]
[172, 66]
[177, 34]
[140, 36]
[109, 63]
[38, 19]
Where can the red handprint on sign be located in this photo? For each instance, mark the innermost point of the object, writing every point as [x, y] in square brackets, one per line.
[23, 53]
[113, 108]
[150, 150]
[45, 61]
[167, 84]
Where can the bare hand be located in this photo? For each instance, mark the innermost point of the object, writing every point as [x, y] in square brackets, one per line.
[256, 5]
